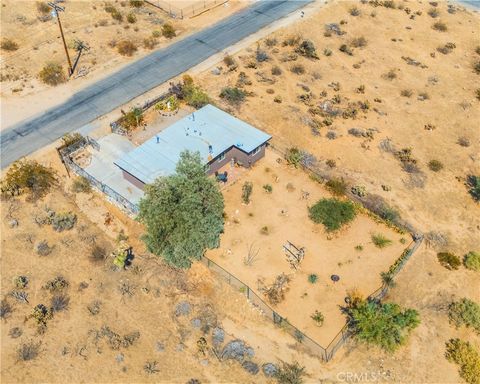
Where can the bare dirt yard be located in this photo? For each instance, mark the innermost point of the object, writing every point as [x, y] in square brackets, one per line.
[101, 25]
[272, 219]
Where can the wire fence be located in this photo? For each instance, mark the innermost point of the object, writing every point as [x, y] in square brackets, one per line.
[113, 196]
[191, 10]
[325, 353]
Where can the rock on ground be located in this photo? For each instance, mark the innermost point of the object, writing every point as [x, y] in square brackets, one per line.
[269, 369]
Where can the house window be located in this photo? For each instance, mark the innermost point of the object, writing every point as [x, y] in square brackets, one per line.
[256, 150]
[221, 157]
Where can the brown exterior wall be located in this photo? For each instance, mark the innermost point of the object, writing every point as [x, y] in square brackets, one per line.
[132, 179]
[233, 153]
[239, 156]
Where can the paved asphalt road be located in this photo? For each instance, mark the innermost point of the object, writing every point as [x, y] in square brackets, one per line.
[137, 78]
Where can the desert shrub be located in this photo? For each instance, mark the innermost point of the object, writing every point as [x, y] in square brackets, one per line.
[338, 187]
[271, 41]
[192, 94]
[43, 8]
[126, 48]
[56, 284]
[28, 176]
[136, 3]
[447, 48]
[440, 26]
[247, 190]
[268, 188]
[116, 15]
[473, 185]
[346, 49]
[8, 45]
[449, 260]
[406, 92]
[318, 317]
[331, 163]
[476, 67]
[59, 302]
[182, 213]
[477, 93]
[81, 184]
[327, 52]
[290, 373]
[261, 55]
[332, 213]
[229, 61]
[132, 119]
[467, 357]
[380, 240]
[64, 221]
[98, 254]
[312, 278]
[150, 42]
[233, 95]
[264, 230]
[472, 261]
[385, 325]
[298, 69]
[390, 75]
[275, 293]
[20, 282]
[168, 31]
[307, 49]
[41, 314]
[294, 156]
[465, 312]
[28, 351]
[276, 70]
[52, 74]
[433, 12]
[435, 165]
[358, 42]
[354, 11]
[291, 40]
[463, 141]
[156, 34]
[5, 309]
[131, 18]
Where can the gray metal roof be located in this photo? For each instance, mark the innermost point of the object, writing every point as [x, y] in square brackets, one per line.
[209, 131]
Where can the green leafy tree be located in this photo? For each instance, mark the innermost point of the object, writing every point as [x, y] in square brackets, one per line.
[332, 213]
[183, 213]
[385, 325]
[466, 312]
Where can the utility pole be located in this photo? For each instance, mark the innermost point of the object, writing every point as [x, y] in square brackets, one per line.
[55, 9]
[79, 47]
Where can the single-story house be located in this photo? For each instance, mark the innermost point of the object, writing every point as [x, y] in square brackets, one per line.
[218, 136]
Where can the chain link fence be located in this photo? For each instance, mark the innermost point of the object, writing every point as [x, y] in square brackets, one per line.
[191, 10]
[326, 354]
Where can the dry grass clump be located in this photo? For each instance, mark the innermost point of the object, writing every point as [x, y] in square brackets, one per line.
[60, 302]
[126, 48]
[354, 11]
[406, 92]
[390, 75]
[440, 26]
[276, 70]
[43, 8]
[52, 74]
[28, 351]
[358, 42]
[298, 69]
[150, 42]
[433, 12]
[168, 31]
[435, 165]
[8, 45]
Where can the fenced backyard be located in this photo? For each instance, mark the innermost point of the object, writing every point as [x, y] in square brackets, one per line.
[325, 353]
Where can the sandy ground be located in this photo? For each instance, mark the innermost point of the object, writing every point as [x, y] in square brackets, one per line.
[285, 214]
[23, 95]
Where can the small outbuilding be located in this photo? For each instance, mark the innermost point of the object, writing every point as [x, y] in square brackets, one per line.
[219, 137]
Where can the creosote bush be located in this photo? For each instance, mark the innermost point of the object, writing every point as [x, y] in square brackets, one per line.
[435, 165]
[234, 96]
[449, 260]
[131, 18]
[298, 69]
[8, 45]
[290, 373]
[307, 49]
[358, 42]
[126, 48]
[466, 357]
[332, 213]
[28, 176]
[472, 261]
[473, 185]
[247, 190]
[168, 31]
[465, 312]
[440, 26]
[52, 74]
